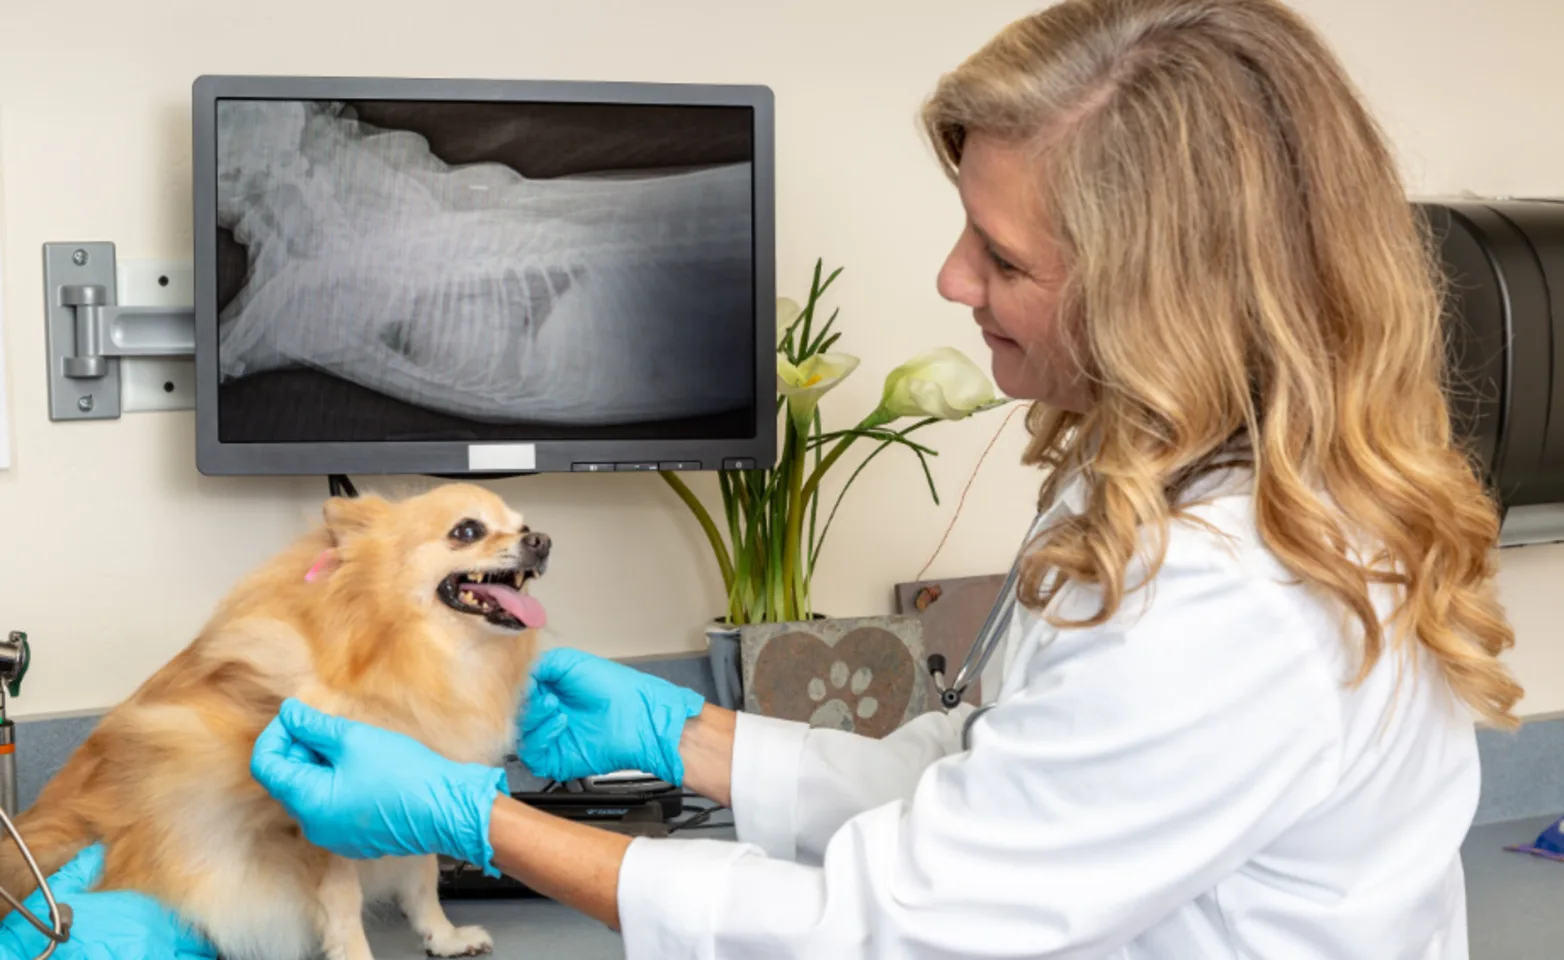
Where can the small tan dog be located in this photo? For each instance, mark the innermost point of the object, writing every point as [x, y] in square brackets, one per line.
[410, 615]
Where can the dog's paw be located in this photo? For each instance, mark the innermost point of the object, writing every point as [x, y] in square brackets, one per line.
[459, 942]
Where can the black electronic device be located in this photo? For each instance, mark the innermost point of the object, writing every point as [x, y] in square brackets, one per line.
[607, 799]
[1503, 262]
[633, 805]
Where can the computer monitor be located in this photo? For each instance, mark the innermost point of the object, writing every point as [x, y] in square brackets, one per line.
[481, 277]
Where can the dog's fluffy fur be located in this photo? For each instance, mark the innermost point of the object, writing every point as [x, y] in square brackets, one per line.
[164, 781]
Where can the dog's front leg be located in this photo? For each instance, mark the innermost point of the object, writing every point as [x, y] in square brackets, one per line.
[417, 893]
[342, 913]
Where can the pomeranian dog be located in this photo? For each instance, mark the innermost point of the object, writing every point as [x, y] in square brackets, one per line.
[412, 615]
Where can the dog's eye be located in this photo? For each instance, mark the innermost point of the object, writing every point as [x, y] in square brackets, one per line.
[468, 531]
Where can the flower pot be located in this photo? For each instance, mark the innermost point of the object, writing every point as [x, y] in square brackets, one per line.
[864, 675]
[725, 654]
[722, 652]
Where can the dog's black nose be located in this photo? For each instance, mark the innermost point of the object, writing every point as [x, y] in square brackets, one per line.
[536, 543]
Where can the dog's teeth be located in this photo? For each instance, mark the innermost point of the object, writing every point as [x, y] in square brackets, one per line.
[517, 579]
[468, 597]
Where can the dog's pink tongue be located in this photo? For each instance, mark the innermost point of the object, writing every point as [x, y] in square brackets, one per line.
[519, 605]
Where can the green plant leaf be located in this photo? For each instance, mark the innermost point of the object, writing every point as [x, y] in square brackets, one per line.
[880, 433]
[817, 289]
[928, 475]
[730, 506]
[703, 517]
[821, 344]
[809, 307]
[900, 437]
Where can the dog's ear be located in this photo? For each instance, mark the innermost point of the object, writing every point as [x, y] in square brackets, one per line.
[347, 516]
[328, 561]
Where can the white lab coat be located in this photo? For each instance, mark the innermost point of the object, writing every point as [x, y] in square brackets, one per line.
[1192, 780]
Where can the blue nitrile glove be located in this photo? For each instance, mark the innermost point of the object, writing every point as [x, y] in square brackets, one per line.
[588, 716]
[109, 925]
[363, 792]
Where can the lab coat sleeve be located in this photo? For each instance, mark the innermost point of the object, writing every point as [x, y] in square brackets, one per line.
[794, 786]
[1154, 755]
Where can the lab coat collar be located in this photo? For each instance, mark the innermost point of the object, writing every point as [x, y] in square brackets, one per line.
[1234, 478]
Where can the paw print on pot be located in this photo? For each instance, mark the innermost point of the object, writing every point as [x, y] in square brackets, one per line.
[861, 675]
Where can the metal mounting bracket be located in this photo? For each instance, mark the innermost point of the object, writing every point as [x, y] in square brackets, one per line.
[89, 331]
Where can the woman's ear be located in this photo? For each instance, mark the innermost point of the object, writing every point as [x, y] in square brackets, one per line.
[347, 516]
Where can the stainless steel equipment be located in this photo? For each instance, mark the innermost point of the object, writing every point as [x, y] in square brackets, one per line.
[15, 657]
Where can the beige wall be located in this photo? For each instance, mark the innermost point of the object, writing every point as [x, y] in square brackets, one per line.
[114, 549]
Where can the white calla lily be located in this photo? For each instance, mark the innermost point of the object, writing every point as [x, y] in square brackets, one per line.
[805, 384]
[772, 544]
[788, 312]
[941, 383]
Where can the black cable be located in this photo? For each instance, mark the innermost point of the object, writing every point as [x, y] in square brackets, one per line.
[341, 486]
[697, 820]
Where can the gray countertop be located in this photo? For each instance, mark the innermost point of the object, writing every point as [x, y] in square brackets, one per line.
[1512, 908]
[527, 927]
[1512, 900]
[531, 928]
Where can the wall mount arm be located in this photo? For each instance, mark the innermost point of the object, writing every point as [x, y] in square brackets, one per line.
[88, 331]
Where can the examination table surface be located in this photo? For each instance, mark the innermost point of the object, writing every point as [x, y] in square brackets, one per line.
[531, 928]
[1512, 907]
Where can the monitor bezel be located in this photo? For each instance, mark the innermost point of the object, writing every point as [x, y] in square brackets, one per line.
[453, 458]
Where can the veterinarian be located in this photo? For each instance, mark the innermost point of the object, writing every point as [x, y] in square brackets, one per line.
[1235, 713]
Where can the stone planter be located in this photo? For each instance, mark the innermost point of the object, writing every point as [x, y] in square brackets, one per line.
[722, 652]
[865, 675]
[726, 661]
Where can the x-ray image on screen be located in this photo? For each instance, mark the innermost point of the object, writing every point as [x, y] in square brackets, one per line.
[424, 270]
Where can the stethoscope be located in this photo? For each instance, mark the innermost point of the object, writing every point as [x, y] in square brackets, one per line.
[982, 649]
[989, 637]
[58, 929]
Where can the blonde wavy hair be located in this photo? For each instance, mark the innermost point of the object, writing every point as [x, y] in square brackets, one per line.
[1247, 278]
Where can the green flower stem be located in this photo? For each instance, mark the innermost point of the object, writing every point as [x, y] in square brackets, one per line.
[704, 517]
[795, 457]
[775, 573]
[878, 418]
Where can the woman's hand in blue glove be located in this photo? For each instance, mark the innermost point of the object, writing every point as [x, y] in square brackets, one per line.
[363, 792]
[109, 925]
[588, 716]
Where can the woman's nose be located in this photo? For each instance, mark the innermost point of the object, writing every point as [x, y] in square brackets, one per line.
[958, 282]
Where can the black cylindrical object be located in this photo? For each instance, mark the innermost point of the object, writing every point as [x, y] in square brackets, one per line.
[1504, 265]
